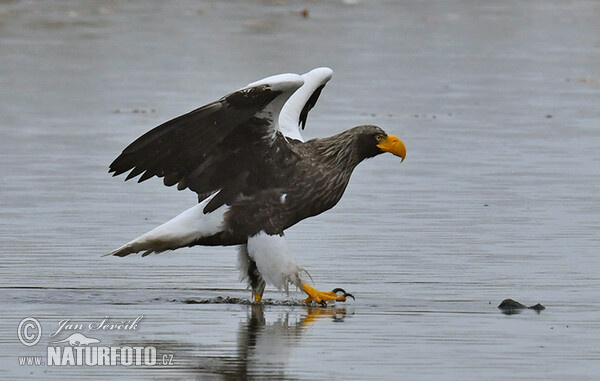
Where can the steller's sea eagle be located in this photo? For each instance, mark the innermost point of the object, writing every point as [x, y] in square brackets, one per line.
[254, 175]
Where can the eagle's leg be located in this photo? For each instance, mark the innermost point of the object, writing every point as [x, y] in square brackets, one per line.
[268, 256]
[249, 271]
[322, 298]
[256, 282]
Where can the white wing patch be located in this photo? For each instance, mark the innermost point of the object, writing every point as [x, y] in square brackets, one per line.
[287, 84]
[289, 117]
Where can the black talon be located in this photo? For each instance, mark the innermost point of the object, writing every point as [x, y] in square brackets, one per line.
[346, 294]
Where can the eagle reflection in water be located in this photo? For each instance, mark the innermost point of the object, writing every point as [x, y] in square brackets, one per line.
[264, 348]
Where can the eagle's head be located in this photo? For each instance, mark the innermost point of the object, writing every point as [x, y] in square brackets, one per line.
[373, 141]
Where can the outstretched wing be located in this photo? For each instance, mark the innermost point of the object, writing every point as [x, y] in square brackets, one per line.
[295, 112]
[217, 146]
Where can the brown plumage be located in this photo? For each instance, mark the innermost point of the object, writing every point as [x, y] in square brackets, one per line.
[248, 173]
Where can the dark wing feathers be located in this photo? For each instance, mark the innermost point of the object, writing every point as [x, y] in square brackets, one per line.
[223, 146]
[170, 128]
[232, 187]
[178, 148]
[312, 101]
[147, 153]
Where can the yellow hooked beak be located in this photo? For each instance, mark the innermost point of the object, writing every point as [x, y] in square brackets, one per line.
[392, 144]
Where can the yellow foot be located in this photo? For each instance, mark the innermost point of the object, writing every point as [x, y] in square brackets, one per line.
[257, 297]
[324, 297]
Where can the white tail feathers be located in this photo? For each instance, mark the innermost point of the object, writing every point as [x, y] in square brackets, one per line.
[178, 232]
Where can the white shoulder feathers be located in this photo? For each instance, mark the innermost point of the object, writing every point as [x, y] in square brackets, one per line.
[289, 118]
[288, 84]
[285, 111]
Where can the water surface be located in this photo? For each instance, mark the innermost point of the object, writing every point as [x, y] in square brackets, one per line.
[499, 196]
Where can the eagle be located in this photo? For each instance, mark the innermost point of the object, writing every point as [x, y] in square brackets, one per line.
[254, 174]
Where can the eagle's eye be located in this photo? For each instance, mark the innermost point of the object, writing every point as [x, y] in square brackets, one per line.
[378, 137]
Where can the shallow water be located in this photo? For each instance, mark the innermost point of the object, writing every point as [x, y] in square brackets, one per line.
[499, 196]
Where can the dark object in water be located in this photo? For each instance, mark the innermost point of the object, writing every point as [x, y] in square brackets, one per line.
[509, 304]
[537, 307]
[510, 307]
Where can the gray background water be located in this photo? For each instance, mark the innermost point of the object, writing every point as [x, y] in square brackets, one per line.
[497, 102]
